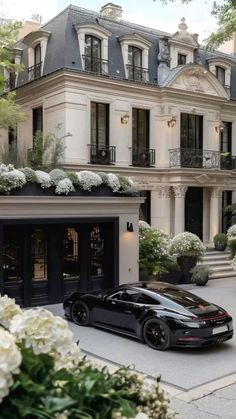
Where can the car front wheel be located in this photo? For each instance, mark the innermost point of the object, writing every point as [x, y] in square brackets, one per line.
[80, 313]
[156, 334]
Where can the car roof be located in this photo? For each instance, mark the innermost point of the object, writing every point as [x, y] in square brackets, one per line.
[150, 286]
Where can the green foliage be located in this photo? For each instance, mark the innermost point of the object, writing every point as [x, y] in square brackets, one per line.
[200, 274]
[220, 238]
[232, 246]
[86, 392]
[74, 179]
[12, 155]
[153, 250]
[47, 151]
[10, 112]
[29, 174]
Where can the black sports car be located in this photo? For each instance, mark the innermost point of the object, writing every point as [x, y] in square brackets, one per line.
[160, 314]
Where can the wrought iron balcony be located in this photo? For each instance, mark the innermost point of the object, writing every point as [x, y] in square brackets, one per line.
[102, 154]
[95, 65]
[35, 71]
[143, 157]
[194, 158]
[10, 82]
[137, 73]
[227, 162]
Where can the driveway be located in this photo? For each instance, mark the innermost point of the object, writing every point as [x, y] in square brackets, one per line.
[182, 369]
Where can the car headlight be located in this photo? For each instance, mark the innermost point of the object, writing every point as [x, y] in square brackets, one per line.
[192, 324]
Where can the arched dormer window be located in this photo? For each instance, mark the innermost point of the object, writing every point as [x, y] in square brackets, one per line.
[221, 68]
[220, 74]
[135, 51]
[92, 54]
[93, 44]
[37, 45]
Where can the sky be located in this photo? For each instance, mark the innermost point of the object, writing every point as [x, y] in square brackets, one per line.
[145, 12]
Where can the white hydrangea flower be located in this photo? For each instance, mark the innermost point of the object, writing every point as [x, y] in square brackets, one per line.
[64, 186]
[10, 360]
[8, 309]
[231, 232]
[43, 179]
[233, 263]
[88, 180]
[187, 244]
[45, 333]
[113, 182]
[10, 178]
[143, 224]
[141, 415]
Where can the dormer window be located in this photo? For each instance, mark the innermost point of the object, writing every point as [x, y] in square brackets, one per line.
[93, 45]
[92, 54]
[134, 66]
[37, 45]
[182, 59]
[35, 70]
[220, 74]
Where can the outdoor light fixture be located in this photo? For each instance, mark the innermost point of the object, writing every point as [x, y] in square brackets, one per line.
[220, 127]
[130, 227]
[171, 123]
[124, 119]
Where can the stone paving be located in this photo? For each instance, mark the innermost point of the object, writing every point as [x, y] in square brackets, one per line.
[201, 383]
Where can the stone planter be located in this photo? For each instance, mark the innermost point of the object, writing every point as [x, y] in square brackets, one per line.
[172, 277]
[100, 191]
[220, 247]
[33, 189]
[186, 263]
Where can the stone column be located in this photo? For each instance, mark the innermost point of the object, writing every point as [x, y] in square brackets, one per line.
[160, 208]
[179, 191]
[215, 212]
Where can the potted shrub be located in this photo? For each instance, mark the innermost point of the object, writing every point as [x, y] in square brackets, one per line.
[172, 274]
[220, 241]
[200, 274]
[231, 234]
[188, 248]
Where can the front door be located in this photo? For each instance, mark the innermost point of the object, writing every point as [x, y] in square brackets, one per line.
[194, 211]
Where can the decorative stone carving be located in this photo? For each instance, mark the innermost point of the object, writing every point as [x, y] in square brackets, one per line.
[180, 191]
[194, 79]
[163, 191]
[184, 36]
[111, 11]
[216, 192]
[163, 60]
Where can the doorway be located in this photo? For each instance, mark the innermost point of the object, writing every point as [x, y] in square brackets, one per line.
[194, 211]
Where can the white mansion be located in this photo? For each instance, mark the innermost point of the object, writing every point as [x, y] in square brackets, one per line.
[139, 102]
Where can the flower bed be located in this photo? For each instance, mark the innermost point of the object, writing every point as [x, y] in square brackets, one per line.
[17, 181]
[42, 374]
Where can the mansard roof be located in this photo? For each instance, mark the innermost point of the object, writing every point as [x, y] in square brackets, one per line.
[63, 48]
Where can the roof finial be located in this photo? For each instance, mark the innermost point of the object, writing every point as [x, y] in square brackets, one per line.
[182, 26]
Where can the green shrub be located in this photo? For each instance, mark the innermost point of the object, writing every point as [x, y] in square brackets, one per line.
[220, 238]
[200, 274]
[153, 250]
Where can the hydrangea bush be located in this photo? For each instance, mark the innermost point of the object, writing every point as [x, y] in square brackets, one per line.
[63, 182]
[42, 374]
[231, 234]
[187, 244]
[153, 249]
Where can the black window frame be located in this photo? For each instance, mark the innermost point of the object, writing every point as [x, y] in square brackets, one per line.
[145, 142]
[95, 62]
[193, 138]
[226, 142]
[37, 117]
[220, 70]
[36, 49]
[106, 141]
[131, 52]
[182, 57]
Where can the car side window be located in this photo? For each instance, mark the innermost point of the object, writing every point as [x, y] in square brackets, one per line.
[125, 295]
[116, 295]
[145, 299]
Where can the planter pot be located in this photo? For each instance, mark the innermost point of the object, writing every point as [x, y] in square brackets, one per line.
[202, 282]
[100, 191]
[33, 189]
[172, 277]
[220, 247]
[186, 263]
[143, 275]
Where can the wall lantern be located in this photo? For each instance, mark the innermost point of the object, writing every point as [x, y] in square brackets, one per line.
[171, 123]
[220, 127]
[130, 227]
[124, 119]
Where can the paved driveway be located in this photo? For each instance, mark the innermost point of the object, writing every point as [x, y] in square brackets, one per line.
[185, 369]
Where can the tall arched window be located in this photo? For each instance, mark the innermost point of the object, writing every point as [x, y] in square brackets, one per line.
[220, 75]
[92, 57]
[135, 71]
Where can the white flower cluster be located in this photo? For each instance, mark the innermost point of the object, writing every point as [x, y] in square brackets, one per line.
[10, 178]
[46, 333]
[187, 244]
[143, 225]
[56, 175]
[88, 180]
[43, 179]
[8, 309]
[231, 232]
[64, 186]
[113, 182]
[233, 263]
[10, 360]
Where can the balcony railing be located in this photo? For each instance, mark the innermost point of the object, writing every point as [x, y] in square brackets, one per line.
[196, 158]
[35, 71]
[95, 65]
[10, 82]
[102, 154]
[137, 73]
[143, 157]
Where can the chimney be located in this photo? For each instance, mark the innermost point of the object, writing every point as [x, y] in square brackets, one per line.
[111, 11]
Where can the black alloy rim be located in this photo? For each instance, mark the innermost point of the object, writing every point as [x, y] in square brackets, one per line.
[155, 334]
[79, 313]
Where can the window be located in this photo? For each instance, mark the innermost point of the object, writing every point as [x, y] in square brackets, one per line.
[71, 262]
[145, 208]
[226, 138]
[126, 295]
[135, 71]
[191, 131]
[146, 299]
[92, 54]
[99, 124]
[96, 252]
[220, 75]
[35, 69]
[182, 58]
[37, 120]
[140, 128]
[39, 255]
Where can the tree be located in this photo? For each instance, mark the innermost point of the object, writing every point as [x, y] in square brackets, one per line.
[10, 112]
[225, 14]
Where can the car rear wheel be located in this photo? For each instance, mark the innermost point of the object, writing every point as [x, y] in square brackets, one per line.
[156, 334]
[80, 313]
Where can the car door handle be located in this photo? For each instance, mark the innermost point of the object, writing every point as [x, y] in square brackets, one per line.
[113, 302]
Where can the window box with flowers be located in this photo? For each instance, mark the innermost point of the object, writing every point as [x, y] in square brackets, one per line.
[188, 248]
